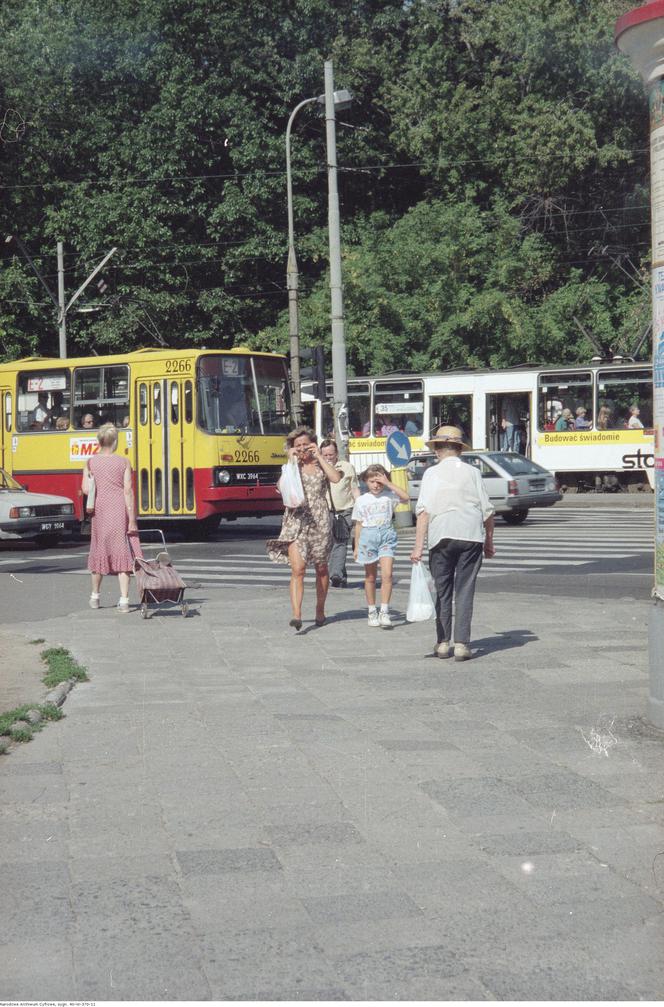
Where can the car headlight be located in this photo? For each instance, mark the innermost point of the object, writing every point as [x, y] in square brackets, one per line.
[67, 508]
[18, 512]
[223, 477]
[551, 484]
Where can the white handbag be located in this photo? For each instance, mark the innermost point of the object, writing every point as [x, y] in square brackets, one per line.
[290, 485]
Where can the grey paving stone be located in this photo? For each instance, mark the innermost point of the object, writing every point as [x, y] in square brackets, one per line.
[265, 961]
[296, 995]
[397, 965]
[35, 900]
[555, 983]
[485, 796]
[565, 790]
[30, 969]
[527, 844]
[417, 745]
[356, 906]
[18, 767]
[304, 834]
[220, 861]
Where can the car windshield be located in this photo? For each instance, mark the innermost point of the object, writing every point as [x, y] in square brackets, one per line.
[243, 394]
[8, 483]
[514, 464]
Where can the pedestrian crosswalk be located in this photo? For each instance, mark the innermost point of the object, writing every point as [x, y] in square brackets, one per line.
[564, 541]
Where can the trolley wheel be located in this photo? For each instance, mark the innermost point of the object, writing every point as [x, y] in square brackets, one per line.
[144, 611]
[185, 610]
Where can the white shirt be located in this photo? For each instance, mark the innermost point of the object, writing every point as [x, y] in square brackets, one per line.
[634, 423]
[453, 495]
[374, 511]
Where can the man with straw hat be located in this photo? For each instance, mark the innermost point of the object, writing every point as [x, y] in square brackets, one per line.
[453, 508]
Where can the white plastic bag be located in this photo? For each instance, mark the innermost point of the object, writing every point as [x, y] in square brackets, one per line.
[420, 603]
[290, 485]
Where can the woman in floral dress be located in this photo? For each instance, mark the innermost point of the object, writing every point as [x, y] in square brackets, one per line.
[306, 531]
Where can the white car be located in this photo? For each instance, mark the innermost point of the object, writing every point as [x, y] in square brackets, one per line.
[39, 516]
[514, 483]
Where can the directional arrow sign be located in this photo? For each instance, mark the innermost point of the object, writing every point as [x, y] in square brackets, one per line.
[398, 449]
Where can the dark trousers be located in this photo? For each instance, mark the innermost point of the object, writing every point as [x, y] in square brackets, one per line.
[337, 561]
[454, 566]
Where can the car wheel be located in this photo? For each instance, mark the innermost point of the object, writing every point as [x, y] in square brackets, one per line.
[516, 516]
[47, 541]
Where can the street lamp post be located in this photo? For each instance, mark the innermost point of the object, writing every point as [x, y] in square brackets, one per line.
[640, 34]
[340, 100]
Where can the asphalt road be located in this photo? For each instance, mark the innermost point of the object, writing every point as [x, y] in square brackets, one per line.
[576, 552]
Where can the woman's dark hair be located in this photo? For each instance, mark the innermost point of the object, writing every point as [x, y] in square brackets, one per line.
[300, 432]
[373, 470]
[329, 442]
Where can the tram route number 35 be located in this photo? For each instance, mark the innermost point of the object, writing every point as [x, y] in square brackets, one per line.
[246, 456]
[178, 366]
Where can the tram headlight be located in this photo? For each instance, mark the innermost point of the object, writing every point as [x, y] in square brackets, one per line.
[223, 477]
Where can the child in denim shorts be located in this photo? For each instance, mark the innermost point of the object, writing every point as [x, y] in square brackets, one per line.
[375, 539]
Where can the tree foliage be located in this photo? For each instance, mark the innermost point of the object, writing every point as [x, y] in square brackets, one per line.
[493, 176]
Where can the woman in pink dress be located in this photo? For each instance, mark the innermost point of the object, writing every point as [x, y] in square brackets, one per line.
[114, 516]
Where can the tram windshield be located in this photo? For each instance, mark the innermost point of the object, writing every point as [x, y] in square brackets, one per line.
[359, 409]
[624, 400]
[243, 394]
[398, 405]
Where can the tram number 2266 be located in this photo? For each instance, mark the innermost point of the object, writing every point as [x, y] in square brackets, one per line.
[246, 456]
[178, 366]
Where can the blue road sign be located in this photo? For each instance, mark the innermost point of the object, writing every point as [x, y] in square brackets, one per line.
[398, 449]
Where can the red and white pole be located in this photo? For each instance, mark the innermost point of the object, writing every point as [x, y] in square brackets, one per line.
[640, 35]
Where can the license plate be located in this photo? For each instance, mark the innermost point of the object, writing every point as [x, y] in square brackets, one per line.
[52, 526]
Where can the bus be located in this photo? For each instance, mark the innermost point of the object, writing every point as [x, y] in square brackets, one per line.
[608, 447]
[204, 429]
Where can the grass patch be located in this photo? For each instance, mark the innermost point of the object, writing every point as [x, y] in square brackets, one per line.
[25, 730]
[61, 667]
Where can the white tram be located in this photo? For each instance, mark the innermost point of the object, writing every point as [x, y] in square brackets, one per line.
[604, 442]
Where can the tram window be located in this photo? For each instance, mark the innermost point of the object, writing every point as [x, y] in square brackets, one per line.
[145, 490]
[273, 395]
[101, 393]
[398, 405]
[226, 396]
[452, 410]
[565, 391]
[156, 403]
[189, 488]
[359, 410]
[44, 400]
[8, 411]
[143, 404]
[624, 400]
[188, 402]
[175, 489]
[175, 402]
[158, 490]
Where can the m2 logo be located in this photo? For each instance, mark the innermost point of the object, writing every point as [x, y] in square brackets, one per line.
[81, 448]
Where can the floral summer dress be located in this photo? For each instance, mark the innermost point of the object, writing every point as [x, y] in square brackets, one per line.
[309, 526]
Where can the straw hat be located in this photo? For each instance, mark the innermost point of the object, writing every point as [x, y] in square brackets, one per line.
[447, 435]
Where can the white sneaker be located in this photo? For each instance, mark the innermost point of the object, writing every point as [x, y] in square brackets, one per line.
[462, 652]
[123, 605]
[443, 649]
[94, 601]
[384, 620]
[373, 619]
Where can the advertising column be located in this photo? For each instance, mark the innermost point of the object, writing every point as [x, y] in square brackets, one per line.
[656, 98]
[640, 34]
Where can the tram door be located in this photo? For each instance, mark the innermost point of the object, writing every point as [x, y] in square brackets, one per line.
[165, 446]
[151, 483]
[509, 422]
[180, 446]
[5, 428]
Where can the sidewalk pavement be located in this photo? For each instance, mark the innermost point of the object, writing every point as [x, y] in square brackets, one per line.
[233, 811]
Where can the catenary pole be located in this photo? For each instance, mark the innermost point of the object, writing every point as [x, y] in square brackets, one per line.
[62, 310]
[339, 385]
[640, 34]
